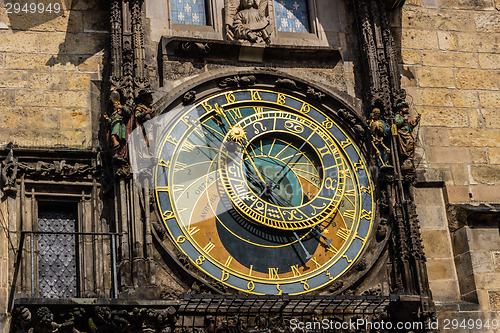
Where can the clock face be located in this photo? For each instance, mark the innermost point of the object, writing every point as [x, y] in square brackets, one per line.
[264, 192]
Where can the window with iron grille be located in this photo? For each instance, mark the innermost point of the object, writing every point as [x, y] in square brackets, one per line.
[57, 252]
[189, 12]
[292, 16]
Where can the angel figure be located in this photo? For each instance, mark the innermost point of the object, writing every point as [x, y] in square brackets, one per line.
[247, 21]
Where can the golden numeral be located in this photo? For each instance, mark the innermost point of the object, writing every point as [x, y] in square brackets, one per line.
[279, 290]
[188, 146]
[332, 249]
[281, 99]
[230, 97]
[207, 106]
[323, 151]
[358, 166]
[200, 260]
[331, 181]
[193, 230]
[350, 193]
[315, 262]
[327, 124]
[250, 271]
[181, 239]
[225, 276]
[209, 247]
[305, 108]
[236, 113]
[163, 188]
[171, 139]
[366, 214]
[228, 261]
[168, 214]
[349, 213]
[328, 274]
[273, 273]
[345, 143]
[348, 260]
[306, 285]
[250, 286]
[343, 233]
[179, 187]
[365, 189]
[255, 95]
[295, 270]
[164, 164]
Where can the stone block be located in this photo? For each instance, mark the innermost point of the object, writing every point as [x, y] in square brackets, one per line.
[457, 194]
[411, 57]
[460, 242]
[441, 269]
[13, 79]
[433, 97]
[77, 81]
[28, 61]
[479, 155]
[491, 118]
[474, 137]
[488, 60]
[465, 98]
[89, 64]
[34, 118]
[476, 119]
[19, 42]
[447, 40]
[435, 136]
[447, 20]
[484, 239]
[468, 287]
[449, 59]
[65, 63]
[37, 98]
[7, 97]
[418, 39]
[485, 174]
[444, 290]
[467, 4]
[435, 77]
[75, 119]
[95, 21]
[494, 155]
[432, 217]
[72, 43]
[437, 244]
[459, 174]
[476, 79]
[485, 193]
[490, 99]
[449, 155]
[74, 99]
[496, 260]
[478, 42]
[46, 80]
[448, 117]
[488, 281]
[48, 22]
[494, 298]
[481, 262]
[487, 22]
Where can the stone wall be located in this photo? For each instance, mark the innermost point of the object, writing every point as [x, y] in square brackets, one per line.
[450, 55]
[50, 68]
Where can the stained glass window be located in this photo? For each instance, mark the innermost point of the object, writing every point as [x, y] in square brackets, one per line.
[291, 15]
[188, 12]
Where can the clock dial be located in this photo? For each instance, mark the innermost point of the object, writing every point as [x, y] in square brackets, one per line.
[264, 192]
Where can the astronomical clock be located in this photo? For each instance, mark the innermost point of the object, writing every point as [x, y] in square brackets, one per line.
[264, 189]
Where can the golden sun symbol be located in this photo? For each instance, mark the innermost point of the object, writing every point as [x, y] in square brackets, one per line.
[237, 133]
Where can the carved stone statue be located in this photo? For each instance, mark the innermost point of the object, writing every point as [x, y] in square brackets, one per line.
[247, 20]
[380, 132]
[118, 131]
[404, 128]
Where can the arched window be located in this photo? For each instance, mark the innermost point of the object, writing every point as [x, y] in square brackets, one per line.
[188, 12]
[292, 15]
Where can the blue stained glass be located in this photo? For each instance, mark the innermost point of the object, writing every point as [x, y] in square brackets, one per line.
[188, 12]
[291, 15]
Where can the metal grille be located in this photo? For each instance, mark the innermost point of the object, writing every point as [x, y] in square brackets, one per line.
[57, 254]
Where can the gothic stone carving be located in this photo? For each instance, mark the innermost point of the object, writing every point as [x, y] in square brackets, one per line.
[247, 20]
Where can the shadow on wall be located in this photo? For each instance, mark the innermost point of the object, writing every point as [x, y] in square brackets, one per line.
[81, 27]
